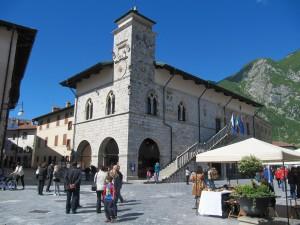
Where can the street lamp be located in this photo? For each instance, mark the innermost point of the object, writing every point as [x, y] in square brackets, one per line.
[21, 110]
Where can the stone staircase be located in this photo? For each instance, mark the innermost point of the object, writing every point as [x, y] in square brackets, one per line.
[187, 156]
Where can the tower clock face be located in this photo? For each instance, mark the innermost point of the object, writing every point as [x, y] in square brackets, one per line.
[122, 67]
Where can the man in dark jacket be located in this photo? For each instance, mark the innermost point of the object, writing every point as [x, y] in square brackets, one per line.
[50, 171]
[73, 184]
[41, 178]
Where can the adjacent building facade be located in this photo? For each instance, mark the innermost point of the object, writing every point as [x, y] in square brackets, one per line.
[15, 46]
[54, 136]
[19, 144]
[137, 111]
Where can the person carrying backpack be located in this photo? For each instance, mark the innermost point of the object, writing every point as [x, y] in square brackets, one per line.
[212, 175]
[108, 196]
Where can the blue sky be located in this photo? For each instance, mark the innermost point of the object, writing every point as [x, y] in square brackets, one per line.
[212, 39]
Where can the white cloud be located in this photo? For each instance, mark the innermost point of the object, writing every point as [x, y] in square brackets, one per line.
[261, 1]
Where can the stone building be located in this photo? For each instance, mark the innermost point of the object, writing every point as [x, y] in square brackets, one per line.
[137, 111]
[15, 46]
[54, 136]
[19, 142]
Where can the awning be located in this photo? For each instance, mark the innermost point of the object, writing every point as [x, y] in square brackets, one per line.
[262, 150]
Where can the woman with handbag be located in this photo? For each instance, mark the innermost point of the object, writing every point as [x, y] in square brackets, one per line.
[99, 181]
[198, 185]
[56, 179]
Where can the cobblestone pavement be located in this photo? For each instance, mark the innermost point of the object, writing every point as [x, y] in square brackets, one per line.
[163, 204]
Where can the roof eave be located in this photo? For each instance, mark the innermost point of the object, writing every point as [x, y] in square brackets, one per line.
[206, 83]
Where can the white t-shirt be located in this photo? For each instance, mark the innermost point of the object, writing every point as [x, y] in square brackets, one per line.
[19, 171]
[187, 172]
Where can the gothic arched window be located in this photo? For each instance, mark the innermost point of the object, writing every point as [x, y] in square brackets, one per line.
[110, 103]
[89, 109]
[152, 104]
[181, 112]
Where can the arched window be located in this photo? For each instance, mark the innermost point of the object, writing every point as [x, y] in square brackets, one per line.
[152, 104]
[89, 109]
[181, 112]
[110, 103]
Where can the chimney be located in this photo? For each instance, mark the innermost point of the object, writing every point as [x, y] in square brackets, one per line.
[54, 109]
[68, 104]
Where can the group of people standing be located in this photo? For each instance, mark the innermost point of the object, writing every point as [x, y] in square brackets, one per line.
[108, 188]
[50, 173]
[107, 182]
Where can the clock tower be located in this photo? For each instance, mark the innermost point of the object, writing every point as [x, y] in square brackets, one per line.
[134, 45]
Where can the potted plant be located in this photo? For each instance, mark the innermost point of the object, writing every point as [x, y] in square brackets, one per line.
[254, 198]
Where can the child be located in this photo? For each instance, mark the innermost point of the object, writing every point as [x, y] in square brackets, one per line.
[148, 174]
[108, 195]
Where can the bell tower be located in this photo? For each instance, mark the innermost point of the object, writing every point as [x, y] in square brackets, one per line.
[134, 46]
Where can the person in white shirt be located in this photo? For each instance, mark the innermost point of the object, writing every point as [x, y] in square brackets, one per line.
[99, 180]
[19, 172]
[187, 175]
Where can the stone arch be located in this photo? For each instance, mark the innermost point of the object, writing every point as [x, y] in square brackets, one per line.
[148, 155]
[84, 154]
[108, 152]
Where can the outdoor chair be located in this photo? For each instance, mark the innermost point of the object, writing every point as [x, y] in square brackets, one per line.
[233, 208]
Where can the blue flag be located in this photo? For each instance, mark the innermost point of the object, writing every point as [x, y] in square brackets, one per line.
[232, 121]
[241, 126]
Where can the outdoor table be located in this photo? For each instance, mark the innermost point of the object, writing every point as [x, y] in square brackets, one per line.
[211, 202]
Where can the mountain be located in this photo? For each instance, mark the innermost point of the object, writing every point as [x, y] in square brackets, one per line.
[275, 84]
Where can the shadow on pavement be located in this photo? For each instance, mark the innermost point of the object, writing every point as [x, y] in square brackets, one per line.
[125, 204]
[86, 211]
[127, 219]
[129, 216]
[123, 210]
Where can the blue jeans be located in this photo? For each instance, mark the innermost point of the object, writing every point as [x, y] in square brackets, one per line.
[293, 190]
[110, 209]
[211, 184]
[156, 176]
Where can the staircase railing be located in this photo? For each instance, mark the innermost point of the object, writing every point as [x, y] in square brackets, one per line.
[197, 148]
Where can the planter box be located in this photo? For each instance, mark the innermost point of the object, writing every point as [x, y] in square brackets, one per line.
[255, 207]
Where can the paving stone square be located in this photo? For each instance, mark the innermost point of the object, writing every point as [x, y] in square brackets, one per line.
[165, 204]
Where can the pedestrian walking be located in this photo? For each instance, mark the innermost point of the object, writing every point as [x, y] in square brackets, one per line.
[87, 171]
[37, 171]
[298, 181]
[268, 175]
[78, 189]
[50, 170]
[148, 174]
[212, 175]
[278, 176]
[156, 171]
[187, 175]
[118, 192]
[108, 195]
[19, 173]
[198, 185]
[72, 184]
[99, 180]
[56, 179]
[292, 180]
[41, 178]
[283, 176]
